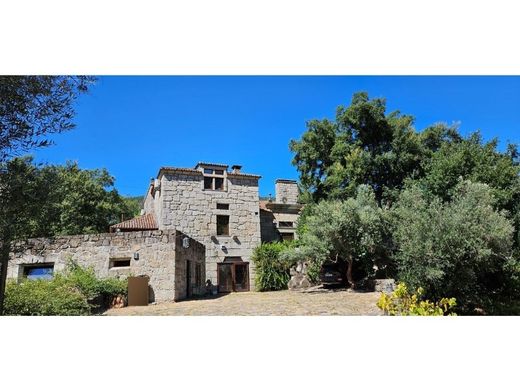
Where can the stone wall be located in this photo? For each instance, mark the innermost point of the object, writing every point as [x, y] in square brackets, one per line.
[159, 256]
[268, 229]
[193, 255]
[186, 206]
[286, 191]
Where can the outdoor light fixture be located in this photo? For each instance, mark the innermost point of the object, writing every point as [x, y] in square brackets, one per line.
[186, 242]
[136, 255]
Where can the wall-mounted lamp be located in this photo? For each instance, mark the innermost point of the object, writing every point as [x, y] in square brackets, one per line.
[136, 255]
[186, 242]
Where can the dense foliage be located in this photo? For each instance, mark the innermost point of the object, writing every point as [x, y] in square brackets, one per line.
[448, 204]
[44, 298]
[459, 248]
[59, 199]
[272, 270]
[77, 291]
[364, 145]
[31, 109]
[352, 231]
[403, 303]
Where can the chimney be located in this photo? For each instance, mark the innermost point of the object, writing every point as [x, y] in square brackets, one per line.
[236, 168]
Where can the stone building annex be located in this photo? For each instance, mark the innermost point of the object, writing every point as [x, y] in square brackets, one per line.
[198, 224]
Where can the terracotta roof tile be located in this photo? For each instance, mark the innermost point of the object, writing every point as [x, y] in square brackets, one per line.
[142, 222]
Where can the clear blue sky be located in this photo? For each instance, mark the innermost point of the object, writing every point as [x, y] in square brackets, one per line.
[134, 125]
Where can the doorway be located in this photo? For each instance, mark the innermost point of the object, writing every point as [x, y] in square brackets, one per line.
[233, 275]
[188, 278]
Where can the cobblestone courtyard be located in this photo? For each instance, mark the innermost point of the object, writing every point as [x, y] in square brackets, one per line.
[265, 304]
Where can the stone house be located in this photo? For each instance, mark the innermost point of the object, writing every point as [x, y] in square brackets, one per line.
[199, 226]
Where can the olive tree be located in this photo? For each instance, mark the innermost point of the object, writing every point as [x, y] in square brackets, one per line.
[458, 248]
[351, 231]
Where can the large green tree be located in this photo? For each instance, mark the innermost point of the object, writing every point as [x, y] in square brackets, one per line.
[363, 145]
[31, 109]
[61, 199]
[460, 248]
[351, 231]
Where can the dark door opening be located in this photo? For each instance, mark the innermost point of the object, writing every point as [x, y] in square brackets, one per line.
[188, 278]
[233, 275]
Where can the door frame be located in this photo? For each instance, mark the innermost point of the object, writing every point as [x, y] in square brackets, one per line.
[233, 264]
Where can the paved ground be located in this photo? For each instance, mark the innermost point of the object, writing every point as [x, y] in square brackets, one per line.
[265, 304]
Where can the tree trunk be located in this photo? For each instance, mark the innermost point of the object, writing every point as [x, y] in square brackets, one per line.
[349, 272]
[4, 259]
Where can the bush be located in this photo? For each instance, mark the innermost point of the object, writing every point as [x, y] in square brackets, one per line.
[53, 297]
[77, 291]
[460, 248]
[86, 281]
[272, 271]
[403, 303]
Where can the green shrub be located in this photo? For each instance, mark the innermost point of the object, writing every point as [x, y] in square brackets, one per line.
[44, 298]
[77, 291]
[272, 272]
[403, 303]
[86, 281]
[461, 248]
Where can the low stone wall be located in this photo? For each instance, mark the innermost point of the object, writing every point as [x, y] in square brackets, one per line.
[151, 253]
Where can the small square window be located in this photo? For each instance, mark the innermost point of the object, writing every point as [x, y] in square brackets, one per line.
[222, 225]
[38, 271]
[283, 224]
[119, 263]
[222, 206]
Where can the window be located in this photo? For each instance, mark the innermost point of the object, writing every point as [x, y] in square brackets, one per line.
[198, 274]
[222, 206]
[287, 236]
[38, 271]
[214, 179]
[119, 263]
[222, 225]
[283, 224]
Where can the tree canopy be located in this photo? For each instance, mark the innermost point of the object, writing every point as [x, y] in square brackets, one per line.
[33, 107]
[59, 200]
[460, 248]
[352, 231]
[446, 206]
[363, 145]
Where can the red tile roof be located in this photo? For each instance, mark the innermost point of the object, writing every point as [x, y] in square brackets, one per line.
[142, 222]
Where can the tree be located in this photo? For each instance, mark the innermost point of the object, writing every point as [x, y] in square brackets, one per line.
[60, 200]
[364, 145]
[471, 159]
[461, 248]
[31, 109]
[352, 231]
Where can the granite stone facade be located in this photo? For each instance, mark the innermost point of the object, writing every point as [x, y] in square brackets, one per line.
[179, 200]
[158, 254]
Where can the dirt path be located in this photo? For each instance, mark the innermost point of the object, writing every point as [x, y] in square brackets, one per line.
[265, 304]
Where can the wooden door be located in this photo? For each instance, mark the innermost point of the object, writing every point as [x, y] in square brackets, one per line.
[225, 277]
[241, 276]
[233, 276]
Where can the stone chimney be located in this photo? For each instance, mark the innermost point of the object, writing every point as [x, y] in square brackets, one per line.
[236, 168]
[286, 191]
